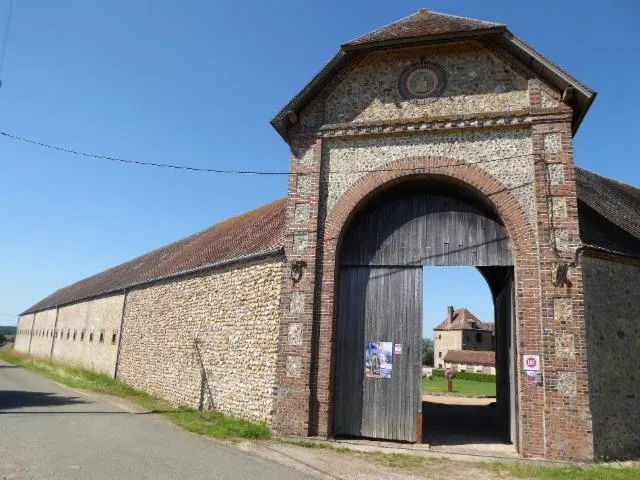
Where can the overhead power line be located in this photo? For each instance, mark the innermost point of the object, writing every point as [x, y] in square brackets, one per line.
[5, 39]
[218, 170]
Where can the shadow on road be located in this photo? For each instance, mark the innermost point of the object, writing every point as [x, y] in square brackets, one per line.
[10, 399]
[9, 366]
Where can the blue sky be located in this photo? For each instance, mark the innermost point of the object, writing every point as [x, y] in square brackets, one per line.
[195, 83]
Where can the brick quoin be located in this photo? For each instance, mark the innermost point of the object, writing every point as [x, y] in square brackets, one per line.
[522, 239]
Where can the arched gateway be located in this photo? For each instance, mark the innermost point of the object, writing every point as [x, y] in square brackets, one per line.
[433, 140]
[416, 223]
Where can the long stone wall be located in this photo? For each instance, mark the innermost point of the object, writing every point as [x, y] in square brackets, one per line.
[87, 334]
[23, 333]
[207, 340]
[42, 340]
[83, 334]
[612, 313]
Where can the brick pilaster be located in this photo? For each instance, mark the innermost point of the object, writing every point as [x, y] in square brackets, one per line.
[567, 417]
[291, 410]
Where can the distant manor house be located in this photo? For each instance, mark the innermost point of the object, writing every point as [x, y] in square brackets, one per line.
[435, 140]
[464, 343]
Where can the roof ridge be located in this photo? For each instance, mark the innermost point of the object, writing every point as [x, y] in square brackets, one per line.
[494, 24]
[379, 28]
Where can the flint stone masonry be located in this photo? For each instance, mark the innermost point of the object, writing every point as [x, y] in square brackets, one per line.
[294, 366]
[296, 303]
[562, 310]
[559, 237]
[612, 310]
[303, 184]
[25, 324]
[102, 314]
[348, 159]
[294, 334]
[42, 340]
[566, 383]
[552, 142]
[565, 345]
[558, 206]
[477, 81]
[209, 339]
[300, 241]
[547, 100]
[556, 173]
[305, 156]
[302, 212]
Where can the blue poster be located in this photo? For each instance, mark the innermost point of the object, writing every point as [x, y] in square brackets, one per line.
[378, 359]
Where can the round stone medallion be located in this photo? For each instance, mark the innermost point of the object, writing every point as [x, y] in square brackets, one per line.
[422, 82]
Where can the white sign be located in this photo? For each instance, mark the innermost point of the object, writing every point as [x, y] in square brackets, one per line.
[397, 349]
[531, 362]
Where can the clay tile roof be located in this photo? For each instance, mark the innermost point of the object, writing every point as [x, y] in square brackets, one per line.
[608, 213]
[257, 231]
[463, 319]
[473, 357]
[423, 23]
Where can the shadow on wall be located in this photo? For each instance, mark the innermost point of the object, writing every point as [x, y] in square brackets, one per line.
[10, 399]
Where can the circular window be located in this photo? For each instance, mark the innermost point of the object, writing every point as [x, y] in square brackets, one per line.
[422, 82]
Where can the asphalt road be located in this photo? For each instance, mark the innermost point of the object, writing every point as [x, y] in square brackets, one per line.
[51, 432]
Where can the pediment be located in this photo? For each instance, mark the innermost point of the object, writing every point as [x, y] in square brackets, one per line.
[485, 70]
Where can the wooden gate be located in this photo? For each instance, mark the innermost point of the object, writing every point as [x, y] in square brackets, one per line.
[378, 390]
[380, 297]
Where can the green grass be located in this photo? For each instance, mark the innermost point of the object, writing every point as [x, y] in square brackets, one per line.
[460, 387]
[212, 424]
[570, 472]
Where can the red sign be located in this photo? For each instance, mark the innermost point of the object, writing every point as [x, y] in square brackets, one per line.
[531, 362]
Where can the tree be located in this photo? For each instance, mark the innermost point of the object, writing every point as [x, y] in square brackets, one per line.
[427, 352]
[3, 339]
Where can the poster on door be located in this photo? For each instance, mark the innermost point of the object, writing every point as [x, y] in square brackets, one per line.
[378, 359]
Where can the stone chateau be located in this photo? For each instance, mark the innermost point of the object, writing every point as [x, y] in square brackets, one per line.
[464, 343]
[265, 315]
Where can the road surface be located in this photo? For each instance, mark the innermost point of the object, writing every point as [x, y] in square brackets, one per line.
[51, 432]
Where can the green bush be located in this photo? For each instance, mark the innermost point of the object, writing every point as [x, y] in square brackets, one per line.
[476, 377]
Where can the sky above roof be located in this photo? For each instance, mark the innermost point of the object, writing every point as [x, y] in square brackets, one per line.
[195, 83]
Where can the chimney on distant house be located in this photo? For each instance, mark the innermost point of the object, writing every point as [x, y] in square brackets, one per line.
[450, 313]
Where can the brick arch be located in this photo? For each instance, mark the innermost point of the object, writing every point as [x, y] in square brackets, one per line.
[521, 237]
[520, 231]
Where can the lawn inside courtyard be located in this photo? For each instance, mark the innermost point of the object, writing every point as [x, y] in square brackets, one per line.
[461, 386]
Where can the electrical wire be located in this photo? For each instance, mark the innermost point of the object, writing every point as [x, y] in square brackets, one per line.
[5, 40]
[223, 171]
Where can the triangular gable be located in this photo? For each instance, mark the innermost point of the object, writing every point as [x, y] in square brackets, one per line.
[426, 27]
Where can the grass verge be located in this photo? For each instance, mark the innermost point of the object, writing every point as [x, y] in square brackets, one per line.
[611, 471]
[421, 464]
[461, 387]
[212, 424]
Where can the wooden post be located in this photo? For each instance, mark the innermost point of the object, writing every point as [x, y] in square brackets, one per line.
[449, 385]
[419, 427]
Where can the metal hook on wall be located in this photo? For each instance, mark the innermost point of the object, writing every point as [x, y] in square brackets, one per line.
[297, 269]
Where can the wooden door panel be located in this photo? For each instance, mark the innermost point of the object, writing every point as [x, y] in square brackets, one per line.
[378, 304]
